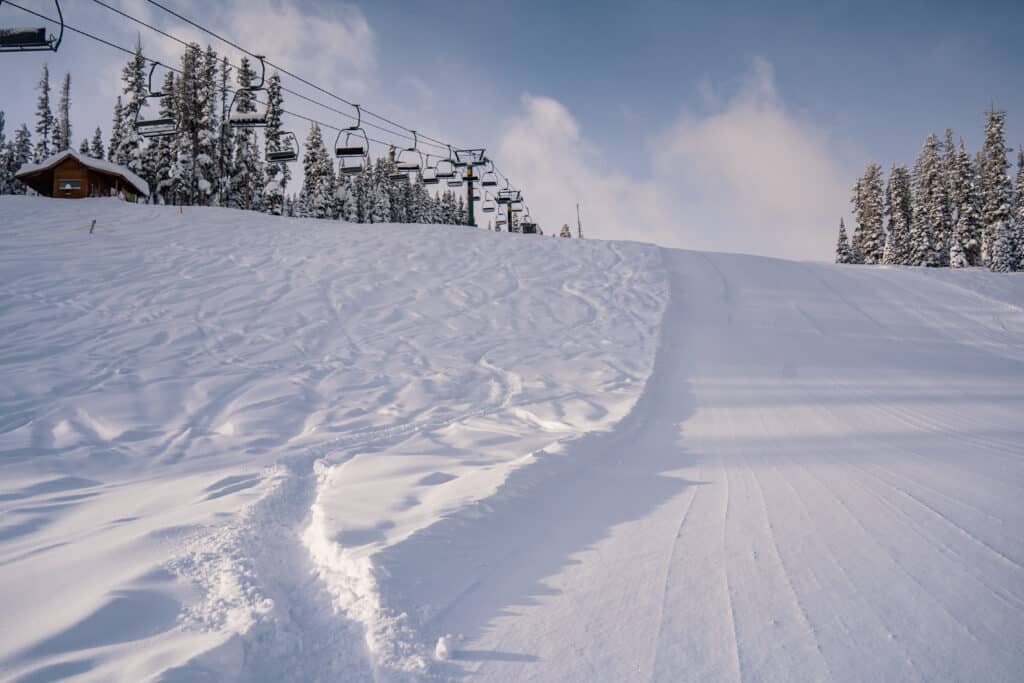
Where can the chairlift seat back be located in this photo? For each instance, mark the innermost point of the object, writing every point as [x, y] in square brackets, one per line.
[354, 151]
[20, 38]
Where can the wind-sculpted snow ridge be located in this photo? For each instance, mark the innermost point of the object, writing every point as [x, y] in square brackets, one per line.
[212, 421]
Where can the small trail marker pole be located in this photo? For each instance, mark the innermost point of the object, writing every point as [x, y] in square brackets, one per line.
[93, 226]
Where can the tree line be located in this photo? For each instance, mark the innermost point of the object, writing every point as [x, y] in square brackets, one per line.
[209, 162]
[951, 210]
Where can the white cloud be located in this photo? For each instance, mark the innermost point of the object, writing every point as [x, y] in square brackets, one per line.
[750, 177]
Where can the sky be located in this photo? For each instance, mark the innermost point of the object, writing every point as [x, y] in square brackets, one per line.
[727, 126]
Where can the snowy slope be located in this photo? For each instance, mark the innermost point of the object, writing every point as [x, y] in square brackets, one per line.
[171, 384]
[242, 448]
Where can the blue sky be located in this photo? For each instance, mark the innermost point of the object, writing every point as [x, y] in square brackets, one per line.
[729, 126]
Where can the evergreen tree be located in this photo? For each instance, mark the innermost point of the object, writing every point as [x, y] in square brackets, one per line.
[843, 254]
[62, 125]
[6, 151]
[96, 150]
[18, 152]
[278, 175]
[1019, 191]
[206, 152]
[44, 118]
[957, 257]
[1004, 255]
[318, 197]
[162, 152]
[130, 150]
[964, 195]
[83, 148]
[567, 232]
[928, 205]
[116, 126]
[226, 138]
[379, 200]
[995, 191]
[247, 183]
[898, 214]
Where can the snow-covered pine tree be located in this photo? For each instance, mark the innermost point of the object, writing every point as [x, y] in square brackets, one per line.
[379, 198]
[162, 152]
[856, 194]
[1019, 213]
[17, 152]
[131, 148]
[898, 214]
[1004, 254]
[62, 124]
[226, 137]
[116, 126]
[347, 198]
[278, 175]
[318, 197]
[44, 118]
[247, 184]
[207, 129]
[6, 151]
[96, 150]
[842, 244]
[995, 191]
[957, 257]
[943, 217]
[869, 212]
[964, 196]
[928, 201]
[567, 232]
[83, 147]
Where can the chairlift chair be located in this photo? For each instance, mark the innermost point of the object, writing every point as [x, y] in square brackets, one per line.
[457, 182]
[250, 119]
[488, 206]
[13, 39]
[288, 152]
[158, 127]
[428, 176]
[410, 159]
[353, 152]
[489, 178]
[469, 157]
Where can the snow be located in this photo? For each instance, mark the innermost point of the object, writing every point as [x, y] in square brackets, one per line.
[89, 162]
[240, 447]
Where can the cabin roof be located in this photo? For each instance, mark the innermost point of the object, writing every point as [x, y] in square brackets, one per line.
[98, 165]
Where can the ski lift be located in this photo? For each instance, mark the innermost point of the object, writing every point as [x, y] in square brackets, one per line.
[354, 150]
[255, 118]
[429, 174]
[469, 157]
[410, 159]
[159, 127]
[32, 39]
[490, 178]
[445, 168]
[528, 227]
[489, 205]
[456, 182]
[509, 196]
[288, 152]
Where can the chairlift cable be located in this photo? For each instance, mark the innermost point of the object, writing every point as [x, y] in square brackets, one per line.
[285, 71]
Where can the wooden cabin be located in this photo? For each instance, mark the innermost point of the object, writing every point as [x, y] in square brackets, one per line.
[72, 175]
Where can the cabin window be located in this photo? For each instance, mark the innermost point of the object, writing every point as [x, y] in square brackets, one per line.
[69, 185]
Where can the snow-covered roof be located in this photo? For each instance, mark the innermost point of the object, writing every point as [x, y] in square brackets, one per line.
[95, 164]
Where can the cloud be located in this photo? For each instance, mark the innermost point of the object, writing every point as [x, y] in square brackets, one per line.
[748, 177]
